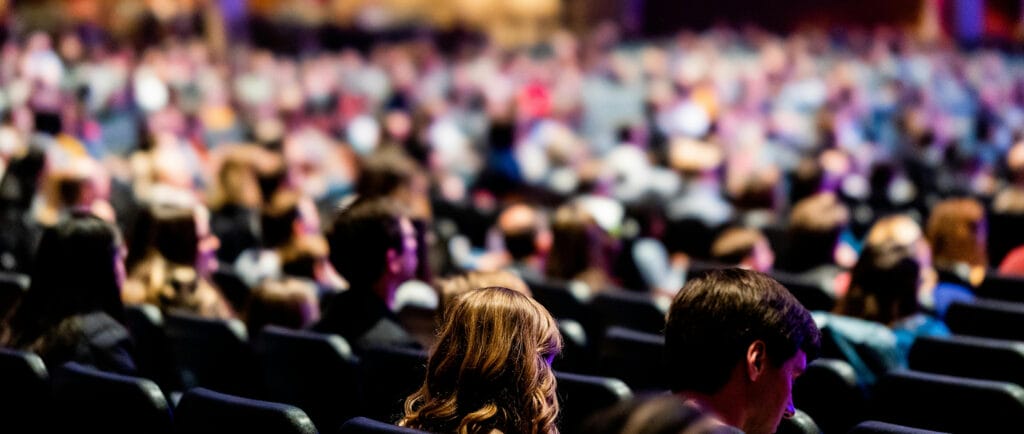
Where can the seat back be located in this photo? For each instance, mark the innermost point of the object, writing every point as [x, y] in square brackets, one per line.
[362, 425]
[799, 423]
[635, 357]
[1001, 287]
[576, 355]
[876, 427]
[24, 391]
[969, 357]
[315, 372]
[987, 318]
[235, 291]
[947, 403]
[390, 374]
[829, 392]
[212, 353]
[580, 396]
[89, 400]
[561, 300]
[152, 352]
[203, 411]
[634, 310]
[809, 294]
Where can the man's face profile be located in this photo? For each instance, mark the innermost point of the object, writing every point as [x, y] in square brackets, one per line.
[772, 391]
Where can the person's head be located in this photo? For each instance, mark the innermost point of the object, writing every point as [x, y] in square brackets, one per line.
[490, 368]
[373, 246]
[290, 303]
[522, 231]
[389, 172]
[237, 182]
[181, 235]
[883, 284]
[736, 339]
[814, 228]
[78, 269]
[956, 232]
[454, 286]
[745, 247]
[578, 243]
[904, 231]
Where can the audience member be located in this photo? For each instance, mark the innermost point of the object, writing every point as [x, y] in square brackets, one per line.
[743, 247]
[373, 246]
[490, 370]
[72, 310]
[527, 240]
[580, 249]
[287, 302]
[813, 236]
[956, 232]
[735, 341]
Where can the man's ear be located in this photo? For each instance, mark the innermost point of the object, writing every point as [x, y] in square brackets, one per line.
[757, 360]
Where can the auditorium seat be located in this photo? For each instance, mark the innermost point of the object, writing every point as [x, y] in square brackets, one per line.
[829, 392]
[390, 374]
[152, 351]
[12, 287]
[945, 403]
[232, 286]
[635, 357]
[812, 296]
[24, 391]
[212, 353]
[580, 396]
[576, 355]
[203, 411]
[561, 300]
[315, 372]
[627, 309]
[876, 427]
[969, 357]
[800, 423]
[362, 425]
[88, 400]
[1001, 287]
[987, 318]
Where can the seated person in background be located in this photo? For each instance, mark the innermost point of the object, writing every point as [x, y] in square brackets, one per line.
[490, 371]
[743, 247]
[174, 272]
[815, 226]
[290, 303]
[527, 240]
[736, 341]
[580, 249]
[235, 200]
[883, 288]
[956, 232]
[454, 286]
[373, 246]
[72, 310]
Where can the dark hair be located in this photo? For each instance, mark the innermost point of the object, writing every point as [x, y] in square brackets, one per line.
[174, 234]
[883, 284]
[815, 226]
[715, 317]
[384, 172]
[73, 273]
[520, 243]
[360, 237]
[277, 219]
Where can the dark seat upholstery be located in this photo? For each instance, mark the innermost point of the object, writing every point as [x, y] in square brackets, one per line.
[987, 318]
[800, 423]
[203, 411]
[88, 400]
[315, 372]
[152, 351]
[394, 374]
[635, 357]
[947, 403]
[212, 353]
[560, 300]
[876, 427]
[830, 393]
[580, 396]
[969, 357]
[24, 391]
[234, 289]
[362, 425]
[1001, 287]
[812, 296]
[627, 309]
[576, 353]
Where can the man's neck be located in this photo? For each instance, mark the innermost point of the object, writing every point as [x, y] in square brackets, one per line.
[721, 406]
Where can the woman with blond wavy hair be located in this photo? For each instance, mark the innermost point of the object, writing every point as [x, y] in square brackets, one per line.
[490, 371]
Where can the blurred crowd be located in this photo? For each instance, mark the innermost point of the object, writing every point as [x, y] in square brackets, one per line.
[611, 163]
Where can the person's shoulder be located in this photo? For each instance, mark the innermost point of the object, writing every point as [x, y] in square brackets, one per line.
[102, 329]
